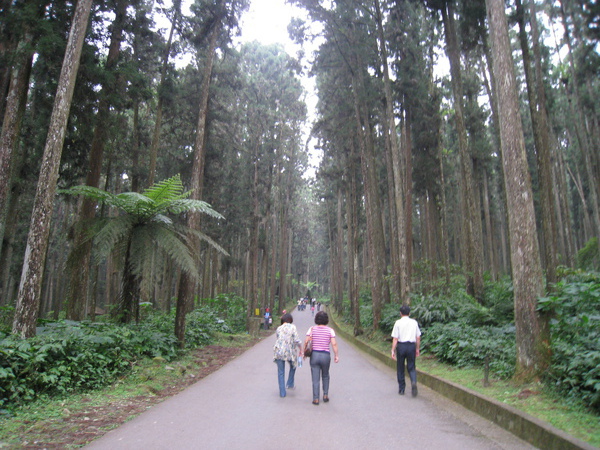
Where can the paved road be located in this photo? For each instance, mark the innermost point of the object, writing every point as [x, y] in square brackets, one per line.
[238, 407]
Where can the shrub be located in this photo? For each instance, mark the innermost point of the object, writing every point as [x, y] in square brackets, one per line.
[588, 257]
[230, 307]
[575, 329]
[468, 346]
[71, 356]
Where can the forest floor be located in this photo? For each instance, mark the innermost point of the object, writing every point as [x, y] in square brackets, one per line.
[79, 419]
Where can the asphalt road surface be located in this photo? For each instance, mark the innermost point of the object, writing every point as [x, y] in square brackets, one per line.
[238, 407]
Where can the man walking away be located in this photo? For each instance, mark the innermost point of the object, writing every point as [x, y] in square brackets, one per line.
[405, 346]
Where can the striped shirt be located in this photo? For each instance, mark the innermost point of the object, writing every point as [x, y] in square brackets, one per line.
[321, 337]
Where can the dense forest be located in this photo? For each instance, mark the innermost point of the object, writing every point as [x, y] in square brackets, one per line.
[148, 158]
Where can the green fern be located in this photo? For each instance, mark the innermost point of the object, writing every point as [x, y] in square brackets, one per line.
[144, 236]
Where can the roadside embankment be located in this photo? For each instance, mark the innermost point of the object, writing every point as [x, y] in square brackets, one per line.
[521, 424]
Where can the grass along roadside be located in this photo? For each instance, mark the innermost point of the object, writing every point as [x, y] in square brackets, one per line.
[77, 419]
[534, 398]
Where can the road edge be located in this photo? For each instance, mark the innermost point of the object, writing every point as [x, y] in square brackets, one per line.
[523, 425]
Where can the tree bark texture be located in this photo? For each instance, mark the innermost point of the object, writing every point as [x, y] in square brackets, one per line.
[26, 311]
[187, 284]
[532, 351]
[79, 286]
[399, 218]
[11, 125]
[541, 135]
[472, 218]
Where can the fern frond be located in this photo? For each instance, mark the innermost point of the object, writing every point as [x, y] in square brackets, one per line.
[166, 190]
[90, 192]
[208, 240]
[142, 250]
[134, 203]
[116, 231]
[184, 205]
[177, 250]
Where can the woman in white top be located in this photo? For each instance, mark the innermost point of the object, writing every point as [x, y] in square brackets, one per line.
[286, 349]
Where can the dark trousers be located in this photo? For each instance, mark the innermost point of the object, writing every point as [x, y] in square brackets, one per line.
[406, 351]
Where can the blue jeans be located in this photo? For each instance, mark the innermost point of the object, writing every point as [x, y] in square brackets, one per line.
[319, 368]
[281, 376]
[406, 351]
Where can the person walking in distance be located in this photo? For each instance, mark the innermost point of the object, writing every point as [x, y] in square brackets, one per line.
[322, 337]
[406, 345]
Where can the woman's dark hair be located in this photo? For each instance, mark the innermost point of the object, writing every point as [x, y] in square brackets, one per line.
[321, 318]
[287, 317]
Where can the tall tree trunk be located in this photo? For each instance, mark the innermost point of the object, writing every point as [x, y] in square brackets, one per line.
[187, 286]
[562, 202]
[135, 148]
[472, 219]
[275, 245]
[26, 311]
[399, 218]
[488, 227]
[372, 204]
[78, 292]
[532, 345]
[159, 107]
[11, 125]
[578, 124]
[339, 254]
[444, 218]
[541, 135]
[407, 230]
[283, 250]
[6, 257]
[252, 277]
[353, 254]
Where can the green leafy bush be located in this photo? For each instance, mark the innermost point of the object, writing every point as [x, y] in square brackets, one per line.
[430, 310]
[71, 356]
[6, 316]
[464, 345]
[499, 298]
[588, 258]
[63, 357]
[231, 308]
[575, 328]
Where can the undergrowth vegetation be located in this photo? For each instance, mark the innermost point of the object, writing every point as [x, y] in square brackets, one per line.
[460, 331]
[69, 356]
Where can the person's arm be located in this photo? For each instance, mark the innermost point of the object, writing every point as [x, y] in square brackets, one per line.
[418, 352]
[394, 343]
[335, 349]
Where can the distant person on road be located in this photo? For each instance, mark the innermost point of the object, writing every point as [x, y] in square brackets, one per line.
[406, 345]
[287, 346]
[322, 337]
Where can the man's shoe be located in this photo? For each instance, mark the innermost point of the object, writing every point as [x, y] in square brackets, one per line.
[401, 392]
[414, 390]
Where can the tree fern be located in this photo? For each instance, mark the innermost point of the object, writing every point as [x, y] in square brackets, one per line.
[144, 228]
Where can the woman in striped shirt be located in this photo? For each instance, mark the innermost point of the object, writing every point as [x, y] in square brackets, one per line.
[322, 337]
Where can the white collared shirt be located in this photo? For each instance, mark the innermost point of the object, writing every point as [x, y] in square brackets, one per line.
[406, 330]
